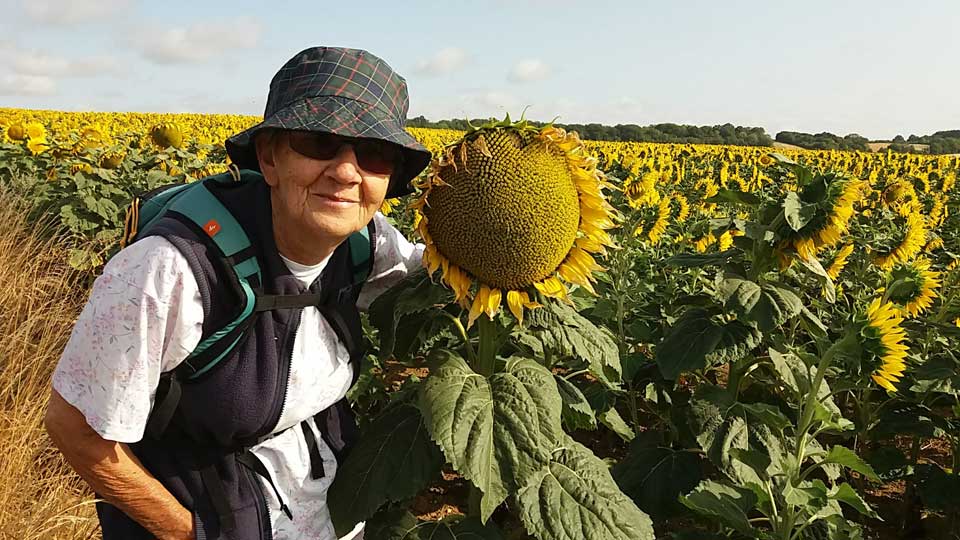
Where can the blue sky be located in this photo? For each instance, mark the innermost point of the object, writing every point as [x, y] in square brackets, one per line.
[877, 68]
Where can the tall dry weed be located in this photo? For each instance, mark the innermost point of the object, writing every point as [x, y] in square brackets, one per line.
[40, 297]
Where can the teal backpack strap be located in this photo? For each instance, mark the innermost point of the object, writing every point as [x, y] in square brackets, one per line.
[362, 245]
[199, 206]
[196, 206]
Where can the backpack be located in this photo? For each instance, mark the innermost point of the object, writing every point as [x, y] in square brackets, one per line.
[195, 202]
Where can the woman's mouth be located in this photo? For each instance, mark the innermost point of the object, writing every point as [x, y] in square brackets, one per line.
[336, 200]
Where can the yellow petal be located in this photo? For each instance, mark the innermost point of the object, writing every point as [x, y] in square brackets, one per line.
[431, 259]
[552, 287]
[493, 303]
[476, 309]
[884, 383]
[515, 303]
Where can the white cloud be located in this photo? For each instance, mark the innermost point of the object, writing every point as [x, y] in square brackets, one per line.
[470, 103]
[199, 42]
[494, 99]
[39, 64]
[67, 12]
[27, 85]
[529, 70]
[442, 62]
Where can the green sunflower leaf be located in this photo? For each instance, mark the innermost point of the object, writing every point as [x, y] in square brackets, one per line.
[656, 477]
[558, 327]
[729, 504]
[849, 496]
[768, 304]
[573, 497]
[796, 212]
[696, 341]
[577, 413]
[393, 460]
[612, 419]
[842, 455]
[496, 432]
[399, 312]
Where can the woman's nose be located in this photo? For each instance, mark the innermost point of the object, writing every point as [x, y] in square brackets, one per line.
[344, 166]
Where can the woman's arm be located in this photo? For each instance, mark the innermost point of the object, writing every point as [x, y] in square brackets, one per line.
[395, 257]
[115, 473]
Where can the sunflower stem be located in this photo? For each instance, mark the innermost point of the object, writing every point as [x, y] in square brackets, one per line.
[810, 405]
[456, 323]
[909, 493]
[487, 350]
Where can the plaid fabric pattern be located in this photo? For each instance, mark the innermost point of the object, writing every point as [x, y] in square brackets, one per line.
[348, 92]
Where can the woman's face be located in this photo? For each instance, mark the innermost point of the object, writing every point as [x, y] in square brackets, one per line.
[325, 200]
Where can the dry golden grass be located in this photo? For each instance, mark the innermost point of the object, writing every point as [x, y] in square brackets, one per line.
[40, 496]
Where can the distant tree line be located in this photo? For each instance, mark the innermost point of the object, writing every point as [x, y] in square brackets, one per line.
[941, 142]
[661, 133]
[824, 141]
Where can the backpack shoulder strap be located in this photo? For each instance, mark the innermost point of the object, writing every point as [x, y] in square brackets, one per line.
[362, 250]
[198, 208]
[207, 214]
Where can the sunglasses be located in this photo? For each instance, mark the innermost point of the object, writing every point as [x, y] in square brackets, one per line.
[378, 157]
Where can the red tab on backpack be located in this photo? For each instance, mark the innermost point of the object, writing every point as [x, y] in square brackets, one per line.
[211, 228]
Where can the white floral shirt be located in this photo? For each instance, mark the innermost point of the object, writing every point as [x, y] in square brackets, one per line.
[144, 316]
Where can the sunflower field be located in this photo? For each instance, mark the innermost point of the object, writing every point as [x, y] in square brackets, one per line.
[614, 340]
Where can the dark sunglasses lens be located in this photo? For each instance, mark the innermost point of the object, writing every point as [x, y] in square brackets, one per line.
[377, 157]
[315, 145]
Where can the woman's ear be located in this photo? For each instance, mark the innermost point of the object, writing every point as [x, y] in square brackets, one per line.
[265, 143]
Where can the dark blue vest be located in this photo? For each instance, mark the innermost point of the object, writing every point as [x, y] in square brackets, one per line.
[202, 456]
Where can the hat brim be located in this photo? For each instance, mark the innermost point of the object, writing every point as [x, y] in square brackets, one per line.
[340, 116]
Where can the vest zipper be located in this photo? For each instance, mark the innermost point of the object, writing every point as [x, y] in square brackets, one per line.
[266, 525]
[283, 378]
[289, 360]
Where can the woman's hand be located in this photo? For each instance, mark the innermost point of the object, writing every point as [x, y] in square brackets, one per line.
[115, 473]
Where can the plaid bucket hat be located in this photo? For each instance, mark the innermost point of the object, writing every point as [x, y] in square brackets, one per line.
[347, 92]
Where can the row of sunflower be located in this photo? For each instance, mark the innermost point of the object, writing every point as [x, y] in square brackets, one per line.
[766, 340]
[818, 285]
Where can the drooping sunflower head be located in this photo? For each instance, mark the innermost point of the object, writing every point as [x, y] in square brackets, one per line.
[641, 190]
[883, 342]
[839, 261]
[112, 160]
[831, 200]
[166, 135]
[509, 209]
[912, 286]
[16, 132]
[660, 222]
[913, 236]
[90, 137]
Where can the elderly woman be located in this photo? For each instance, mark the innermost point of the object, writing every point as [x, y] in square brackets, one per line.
[244, 447]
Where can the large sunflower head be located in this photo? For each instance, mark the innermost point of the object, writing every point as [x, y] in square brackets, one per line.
[510, 209]
[166, 135]
[912, 286]
[883, 342]
[16, 132]
[913, 238]
[660, 223]
[831, 199]
[36, 130]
